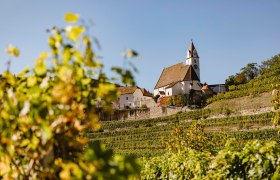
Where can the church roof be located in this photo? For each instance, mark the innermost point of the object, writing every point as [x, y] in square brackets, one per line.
[192, 51]
[176, 73]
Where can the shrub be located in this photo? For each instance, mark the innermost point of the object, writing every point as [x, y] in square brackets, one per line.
[144, 106]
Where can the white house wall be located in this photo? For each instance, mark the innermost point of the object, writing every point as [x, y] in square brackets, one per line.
[126, 100]
[132, 100]
[138, 97]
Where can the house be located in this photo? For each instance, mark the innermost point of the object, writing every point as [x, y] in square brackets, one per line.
[217, 88]
[180, 78]
[132, 96]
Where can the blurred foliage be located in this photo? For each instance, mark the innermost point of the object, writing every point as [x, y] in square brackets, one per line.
[46, 111]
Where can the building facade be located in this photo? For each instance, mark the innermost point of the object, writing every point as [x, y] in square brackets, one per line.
[132, 97]
[180, 78]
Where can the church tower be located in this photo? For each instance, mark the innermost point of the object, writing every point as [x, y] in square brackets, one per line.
[192, 59]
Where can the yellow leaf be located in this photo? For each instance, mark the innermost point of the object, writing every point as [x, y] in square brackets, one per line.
[71, 17]
[41, 67]
[31, 81]
[105, 89]
[44, 55]
[11, 50]
[73, 32]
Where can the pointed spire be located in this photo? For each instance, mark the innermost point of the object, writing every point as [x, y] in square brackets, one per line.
[192, 51]
[191, 48]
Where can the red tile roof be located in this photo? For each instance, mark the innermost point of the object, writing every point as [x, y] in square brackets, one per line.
[146, 93]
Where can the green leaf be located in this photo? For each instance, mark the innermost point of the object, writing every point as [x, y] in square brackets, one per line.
[71, 17]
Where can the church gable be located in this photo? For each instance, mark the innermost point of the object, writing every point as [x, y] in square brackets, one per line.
[191, 75]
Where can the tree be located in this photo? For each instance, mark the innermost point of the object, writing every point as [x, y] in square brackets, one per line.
[46, 113]
[247, 73]
[240, 78]
[229, 82]
[266, 65]
[250, 71]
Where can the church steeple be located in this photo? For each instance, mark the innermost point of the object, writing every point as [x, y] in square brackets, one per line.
[192, 59]
[192, 51]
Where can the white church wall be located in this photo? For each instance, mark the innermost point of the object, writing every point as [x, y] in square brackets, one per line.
[156, 91]
[168, 91]
[177, 88]
[132, 100]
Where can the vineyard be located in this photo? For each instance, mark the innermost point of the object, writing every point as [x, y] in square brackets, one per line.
[223, 119]
[264, 83]
[148, 137]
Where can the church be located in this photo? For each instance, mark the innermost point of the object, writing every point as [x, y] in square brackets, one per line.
[180, 78]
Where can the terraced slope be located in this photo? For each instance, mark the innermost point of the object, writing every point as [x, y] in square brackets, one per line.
[147, 137]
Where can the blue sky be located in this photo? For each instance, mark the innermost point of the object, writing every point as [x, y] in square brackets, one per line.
[227, 34]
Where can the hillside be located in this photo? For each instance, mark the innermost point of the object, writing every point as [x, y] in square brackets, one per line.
[244, 113]
[270, 75]
[244, 105]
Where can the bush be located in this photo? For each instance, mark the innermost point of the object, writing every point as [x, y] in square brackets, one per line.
[144, 106]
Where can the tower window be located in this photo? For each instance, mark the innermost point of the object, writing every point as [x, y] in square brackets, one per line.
[126, 98]
[194, 61]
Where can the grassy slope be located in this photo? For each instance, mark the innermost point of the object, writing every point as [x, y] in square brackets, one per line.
[245, 105]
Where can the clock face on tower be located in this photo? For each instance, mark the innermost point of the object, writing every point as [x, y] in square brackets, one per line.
[195, 66]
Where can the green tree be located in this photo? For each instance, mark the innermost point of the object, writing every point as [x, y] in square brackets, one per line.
[250, 71]
[266, 65]
[229, 82]
[46, 112]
